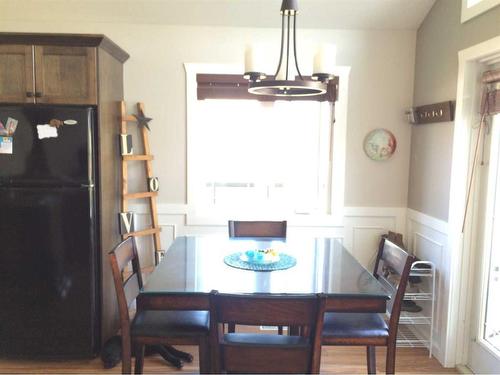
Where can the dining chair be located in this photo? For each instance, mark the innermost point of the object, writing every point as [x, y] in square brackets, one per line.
[266, 353]
[264, 229]
[257, 228]
[370, 329]
[152, 327]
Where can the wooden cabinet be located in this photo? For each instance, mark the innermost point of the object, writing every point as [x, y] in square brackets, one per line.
[48, 74]
[65, 75]
[16, 74]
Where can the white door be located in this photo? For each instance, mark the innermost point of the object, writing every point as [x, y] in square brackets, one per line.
[484, 348]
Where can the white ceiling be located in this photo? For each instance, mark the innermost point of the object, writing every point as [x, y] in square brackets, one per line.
[325, 14]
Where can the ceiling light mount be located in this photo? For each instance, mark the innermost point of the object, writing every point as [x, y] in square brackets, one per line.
[284, 83]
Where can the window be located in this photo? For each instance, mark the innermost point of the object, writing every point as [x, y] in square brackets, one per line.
[266, 156]
[250, 159]
[473, 8]
[471, 3]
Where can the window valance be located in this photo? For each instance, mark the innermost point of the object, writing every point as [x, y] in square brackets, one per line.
[234, 86]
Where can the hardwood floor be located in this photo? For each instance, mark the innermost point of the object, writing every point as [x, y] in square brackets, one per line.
[334, 360]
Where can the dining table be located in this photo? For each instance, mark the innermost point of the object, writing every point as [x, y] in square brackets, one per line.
[194, 266]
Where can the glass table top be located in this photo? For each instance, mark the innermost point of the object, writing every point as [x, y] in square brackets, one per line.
[196, 265]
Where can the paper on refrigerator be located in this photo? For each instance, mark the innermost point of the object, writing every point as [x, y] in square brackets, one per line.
[46, 131]
[6, 144]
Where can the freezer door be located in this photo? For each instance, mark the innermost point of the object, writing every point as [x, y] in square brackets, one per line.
[48, 273]
[37, 160]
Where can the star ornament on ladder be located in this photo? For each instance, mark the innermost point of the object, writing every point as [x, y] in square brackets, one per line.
[143, 120]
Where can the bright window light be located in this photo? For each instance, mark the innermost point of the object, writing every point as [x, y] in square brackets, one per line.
[471, 3]
[473, 8]
[249, 156]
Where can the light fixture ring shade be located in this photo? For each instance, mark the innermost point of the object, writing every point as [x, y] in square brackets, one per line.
[287, 88]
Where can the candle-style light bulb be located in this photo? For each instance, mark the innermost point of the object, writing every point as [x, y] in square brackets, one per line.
[249, 59]
[252, 72]
[324, 63]
[324, 59]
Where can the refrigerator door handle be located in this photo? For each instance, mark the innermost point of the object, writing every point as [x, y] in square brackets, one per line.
[91, 186]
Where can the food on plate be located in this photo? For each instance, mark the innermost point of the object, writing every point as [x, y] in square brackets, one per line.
[262, 256]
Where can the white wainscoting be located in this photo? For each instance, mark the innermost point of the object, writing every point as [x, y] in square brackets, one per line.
[427, 238]
[363, 227]
[360, 233]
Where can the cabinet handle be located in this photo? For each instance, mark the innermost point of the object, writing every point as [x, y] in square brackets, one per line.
[29, 94]
[38, 94]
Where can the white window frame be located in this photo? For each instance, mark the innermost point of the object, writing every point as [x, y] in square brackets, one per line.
[337, 154]
[470, 61]
[469, 12]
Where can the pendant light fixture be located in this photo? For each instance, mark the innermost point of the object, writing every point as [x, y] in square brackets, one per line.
[283, 83]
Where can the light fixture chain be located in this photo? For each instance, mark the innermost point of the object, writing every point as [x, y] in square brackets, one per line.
[282, 43]
[295, 45]
[287, 45]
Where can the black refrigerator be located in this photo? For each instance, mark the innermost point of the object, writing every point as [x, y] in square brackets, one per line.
[49, 260]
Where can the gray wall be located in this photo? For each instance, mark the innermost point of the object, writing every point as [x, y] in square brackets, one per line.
[380, 87]
[439, 39]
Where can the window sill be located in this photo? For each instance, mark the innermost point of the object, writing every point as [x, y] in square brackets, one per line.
[302, 220]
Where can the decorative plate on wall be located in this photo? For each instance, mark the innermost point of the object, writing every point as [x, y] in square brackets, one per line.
[379, 144]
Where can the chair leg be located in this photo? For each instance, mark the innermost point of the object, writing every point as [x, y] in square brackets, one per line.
[371, 361]
[231, 327]
[293, 330]
[204, 356]
[139, 358]
[390, 361]
[126, 355]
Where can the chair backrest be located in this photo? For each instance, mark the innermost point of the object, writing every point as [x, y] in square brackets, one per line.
[257, 228]
[392, 268]
[127, 283]
[395, 237]
[289, 355]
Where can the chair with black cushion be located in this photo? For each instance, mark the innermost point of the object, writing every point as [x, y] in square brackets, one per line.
[271, 229]
[152, 327]
[256, 229]
[370, 329]
[266, 353]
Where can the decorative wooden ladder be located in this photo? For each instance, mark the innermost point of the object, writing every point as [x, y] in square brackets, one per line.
[152, 182]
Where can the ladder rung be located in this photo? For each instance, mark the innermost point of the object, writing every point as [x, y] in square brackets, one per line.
[129, 118]
[147, 270]
[138, 157]
[144, 232]
[148, 194]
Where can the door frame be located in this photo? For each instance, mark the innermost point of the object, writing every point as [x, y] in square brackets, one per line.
[457, 337]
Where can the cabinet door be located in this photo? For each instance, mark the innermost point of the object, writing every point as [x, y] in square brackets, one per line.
[16, 74]
[65, 75]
